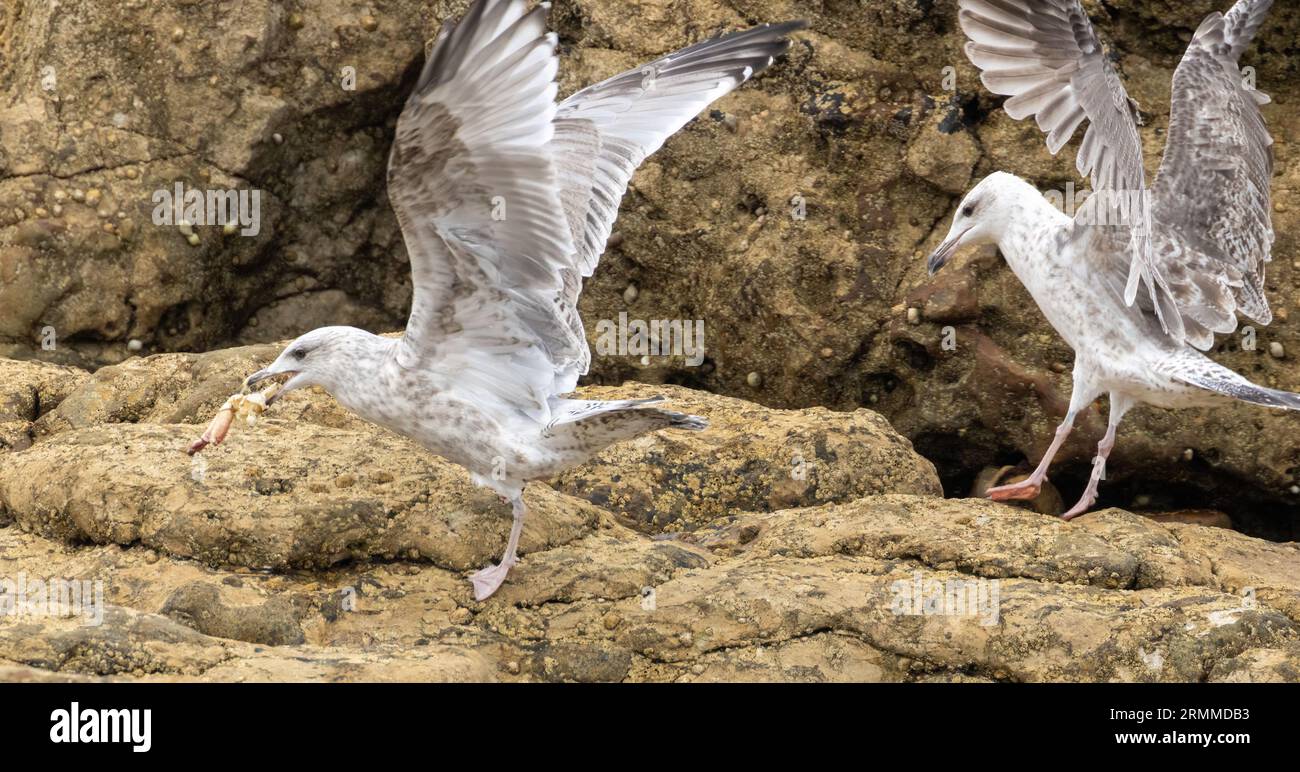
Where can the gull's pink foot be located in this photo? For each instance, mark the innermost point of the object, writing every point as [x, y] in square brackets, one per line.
[490, 579]
[1084, 504]
[1024, 490]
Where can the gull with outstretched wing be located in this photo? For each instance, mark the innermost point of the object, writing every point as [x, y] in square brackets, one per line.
[1198, 239]
[505, 201]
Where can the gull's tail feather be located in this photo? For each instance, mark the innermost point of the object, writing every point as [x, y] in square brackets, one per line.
[1202, 372]
[589, 426]
[694, 423]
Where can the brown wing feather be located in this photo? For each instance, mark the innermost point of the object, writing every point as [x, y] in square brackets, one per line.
[1212, 199]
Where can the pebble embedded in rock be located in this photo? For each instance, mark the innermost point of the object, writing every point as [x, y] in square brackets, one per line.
[629, 294]
[754, 380]
[1276, 350]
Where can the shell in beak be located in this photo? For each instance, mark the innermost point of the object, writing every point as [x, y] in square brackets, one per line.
[266, 375]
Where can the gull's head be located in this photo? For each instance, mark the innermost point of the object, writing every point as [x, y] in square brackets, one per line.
[983, 216]
[328, 357]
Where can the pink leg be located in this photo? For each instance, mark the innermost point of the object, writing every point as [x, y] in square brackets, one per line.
[1119, 405]
[490, 579]
[1030, 486]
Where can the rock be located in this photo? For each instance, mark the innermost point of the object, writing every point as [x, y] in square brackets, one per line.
[818, 594]
[29, 390]
[750, 459]
[1207, 517]
[874, 138]
[269, 501]
[199, 605]
[944, 154]
[875, 134]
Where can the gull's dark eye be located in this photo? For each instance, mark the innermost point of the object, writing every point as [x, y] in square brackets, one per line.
[968, 210]
[299, 354]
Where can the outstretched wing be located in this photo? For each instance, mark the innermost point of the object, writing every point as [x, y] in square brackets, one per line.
[1045, 56]
[474, 187]
[605, 131]
[496, 194]
[1211, 195]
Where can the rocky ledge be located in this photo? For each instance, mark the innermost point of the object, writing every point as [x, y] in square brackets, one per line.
[801, 545]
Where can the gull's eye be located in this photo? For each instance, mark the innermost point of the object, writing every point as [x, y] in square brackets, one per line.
[968, 210]
[299, 354]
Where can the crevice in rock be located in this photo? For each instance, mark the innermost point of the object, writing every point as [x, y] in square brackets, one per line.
[1151, 488]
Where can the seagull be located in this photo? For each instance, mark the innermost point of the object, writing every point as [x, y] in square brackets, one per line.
[505, 200]
[1197, 240]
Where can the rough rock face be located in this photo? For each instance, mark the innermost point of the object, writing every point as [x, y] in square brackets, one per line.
[751, 458]
[28, 390]
[314, 546]
[816, 594]
[313, 485]
[868, 137]
[791, 220]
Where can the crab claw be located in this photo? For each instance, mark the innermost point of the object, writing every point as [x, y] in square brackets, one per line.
[217, 429]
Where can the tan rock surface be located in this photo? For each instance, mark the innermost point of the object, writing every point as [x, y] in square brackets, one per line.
[27, 391]
[811, 597]
[858, 123]
[753, 458]
[315, 547]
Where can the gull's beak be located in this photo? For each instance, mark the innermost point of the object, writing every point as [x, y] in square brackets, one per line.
[258, 377]
[945, 252]
[266, 375]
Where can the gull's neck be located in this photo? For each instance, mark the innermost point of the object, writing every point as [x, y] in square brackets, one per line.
[1031, 222]
[366, 385]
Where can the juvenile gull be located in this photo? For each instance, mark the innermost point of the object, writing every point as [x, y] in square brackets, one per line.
[505, 200]
[1198, 240]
